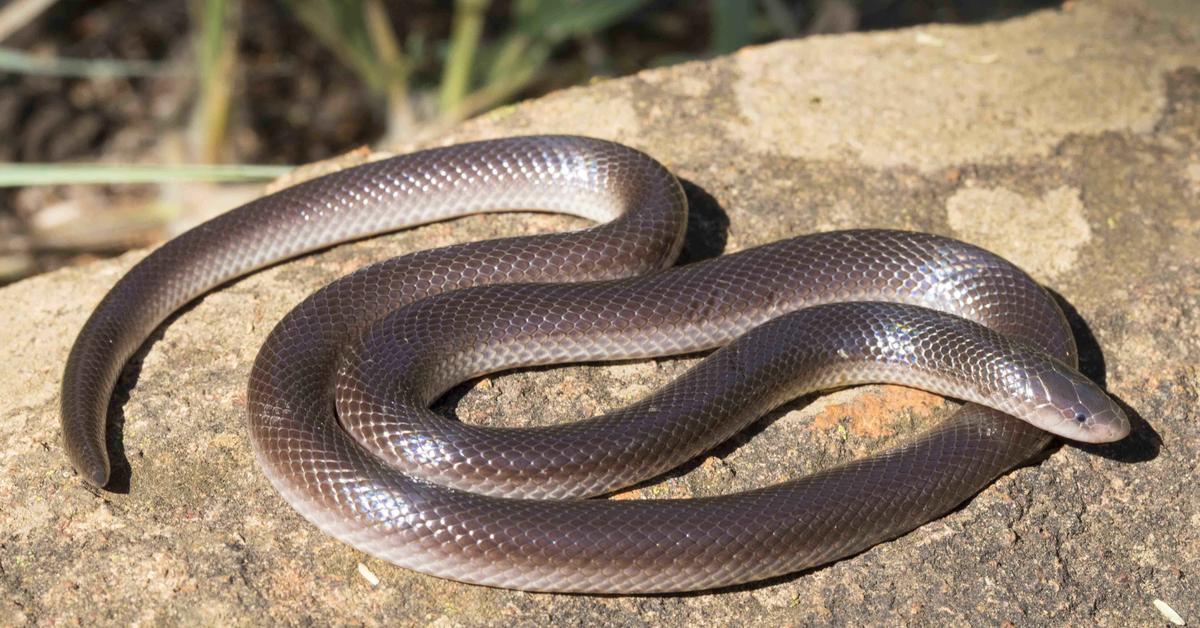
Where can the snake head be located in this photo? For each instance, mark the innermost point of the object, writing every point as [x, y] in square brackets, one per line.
[1067, 403]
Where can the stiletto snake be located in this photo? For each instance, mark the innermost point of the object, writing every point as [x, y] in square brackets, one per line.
[340, 391]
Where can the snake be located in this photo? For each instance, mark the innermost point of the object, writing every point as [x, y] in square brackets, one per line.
[339, 395]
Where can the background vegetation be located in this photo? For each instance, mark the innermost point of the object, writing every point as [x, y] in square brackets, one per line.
[199, 90]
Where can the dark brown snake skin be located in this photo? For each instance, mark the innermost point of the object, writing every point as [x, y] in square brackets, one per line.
[386, 475]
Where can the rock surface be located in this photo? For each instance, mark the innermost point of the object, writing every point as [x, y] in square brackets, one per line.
[1066, 140]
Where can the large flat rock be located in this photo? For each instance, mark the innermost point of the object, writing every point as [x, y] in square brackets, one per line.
[1066, 140]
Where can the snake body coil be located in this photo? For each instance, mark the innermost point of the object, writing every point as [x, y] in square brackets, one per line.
[393, 479]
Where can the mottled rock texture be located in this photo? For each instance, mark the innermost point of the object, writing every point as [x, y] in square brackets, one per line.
[1068, 140]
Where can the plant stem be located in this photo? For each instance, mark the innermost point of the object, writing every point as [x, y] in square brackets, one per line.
[460, 58]
[400, 117]
[216, 52]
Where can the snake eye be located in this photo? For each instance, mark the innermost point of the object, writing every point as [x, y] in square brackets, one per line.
[1080, 417]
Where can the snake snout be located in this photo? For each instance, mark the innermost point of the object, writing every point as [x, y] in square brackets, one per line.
[1104, 421]
[1078, 409]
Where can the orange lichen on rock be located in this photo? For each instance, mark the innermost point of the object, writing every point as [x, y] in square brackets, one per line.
[875, 412]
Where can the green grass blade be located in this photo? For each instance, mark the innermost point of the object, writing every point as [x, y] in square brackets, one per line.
[15, 175]
[460, 55]
[731, 25]
[18, 62]
[216, 60]
[339, 25]
[557, 20]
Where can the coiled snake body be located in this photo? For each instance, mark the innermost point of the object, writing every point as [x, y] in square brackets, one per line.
[339, 393]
